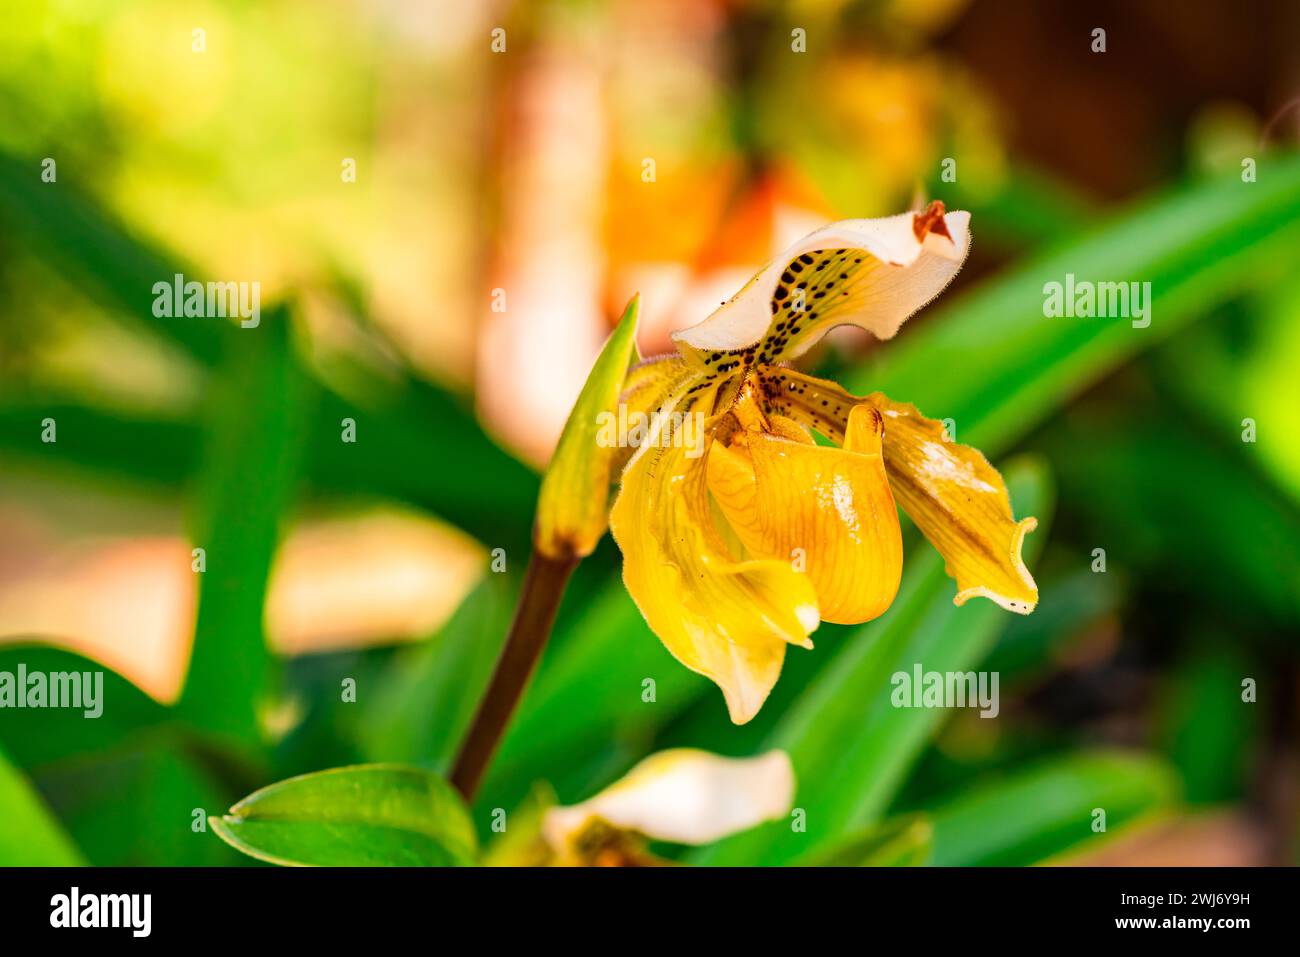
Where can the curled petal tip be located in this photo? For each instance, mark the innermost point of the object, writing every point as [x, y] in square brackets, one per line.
[931, 220]
[1021, 604]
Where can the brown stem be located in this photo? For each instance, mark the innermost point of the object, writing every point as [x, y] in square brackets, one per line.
[543, 588]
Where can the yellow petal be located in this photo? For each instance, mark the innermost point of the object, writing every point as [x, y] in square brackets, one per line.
[725, 619]
[961, 504]
[571, 506]
[648, 386]
[829, 510]
[685, 796]
[872, 273]
[955, 497]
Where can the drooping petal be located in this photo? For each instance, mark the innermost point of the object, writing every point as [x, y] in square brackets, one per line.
[725, 619]
[685, 796]
[961, 504]
[872, 273]
[955, 497]
[829, 511]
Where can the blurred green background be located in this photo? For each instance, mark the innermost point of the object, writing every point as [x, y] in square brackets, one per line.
[447, 300]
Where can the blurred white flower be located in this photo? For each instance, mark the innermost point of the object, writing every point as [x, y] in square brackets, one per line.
[683, 795]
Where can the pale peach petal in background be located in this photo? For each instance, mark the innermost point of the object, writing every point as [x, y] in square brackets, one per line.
[686, 796]
[353, 582]
[129, 601]
[538, 346]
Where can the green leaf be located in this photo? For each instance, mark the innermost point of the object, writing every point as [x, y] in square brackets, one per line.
[251, 464]
[1195, 247]
[29, 834]
[116, 269]
[422, 445]
[156, 452]
[38, 737]
[488, 493]
[1071, 601]
[850, 746]
[134, 805]
[426, 701]
[1038, 813]
[367, 815]
[1119, 479]
[1209, 733]
[589, 693]
[901, 842]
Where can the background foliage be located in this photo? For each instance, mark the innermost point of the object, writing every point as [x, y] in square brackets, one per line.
[370, 562]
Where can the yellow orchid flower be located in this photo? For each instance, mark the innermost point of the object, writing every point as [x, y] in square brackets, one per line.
[739, 545]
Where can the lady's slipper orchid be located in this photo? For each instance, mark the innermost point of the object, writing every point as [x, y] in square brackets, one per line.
[736, 553]
[683, 795]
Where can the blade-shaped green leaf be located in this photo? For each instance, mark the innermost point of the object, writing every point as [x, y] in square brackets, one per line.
[1035, 814]
[35, 737]
[29, 834]
[850, 746]
[902, 842]
[94, 251]
[154, 451]
[1194, 247]
[590, 690]
[488, 494]
[428, 697]
[1119, 476]
[259, 410]
[367, 815]
[135, 804]
[414, 422]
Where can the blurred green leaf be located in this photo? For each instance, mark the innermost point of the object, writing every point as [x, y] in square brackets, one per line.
[588, 694]
[1195, 247]
[1182, 511]
[487, 492]
[70, 231]
[38, 737]
[850, 746]
[427, 698]
[260, 404]
[1209, 731]
[29, 835]
[157, 452]
[368, 815]
[421, 444]
[1070, 602]
[1242, 364]
[901, 842]
[141, 803]
[1038, 813]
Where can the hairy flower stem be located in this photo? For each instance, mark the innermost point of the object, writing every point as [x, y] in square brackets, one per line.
[544, 584]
